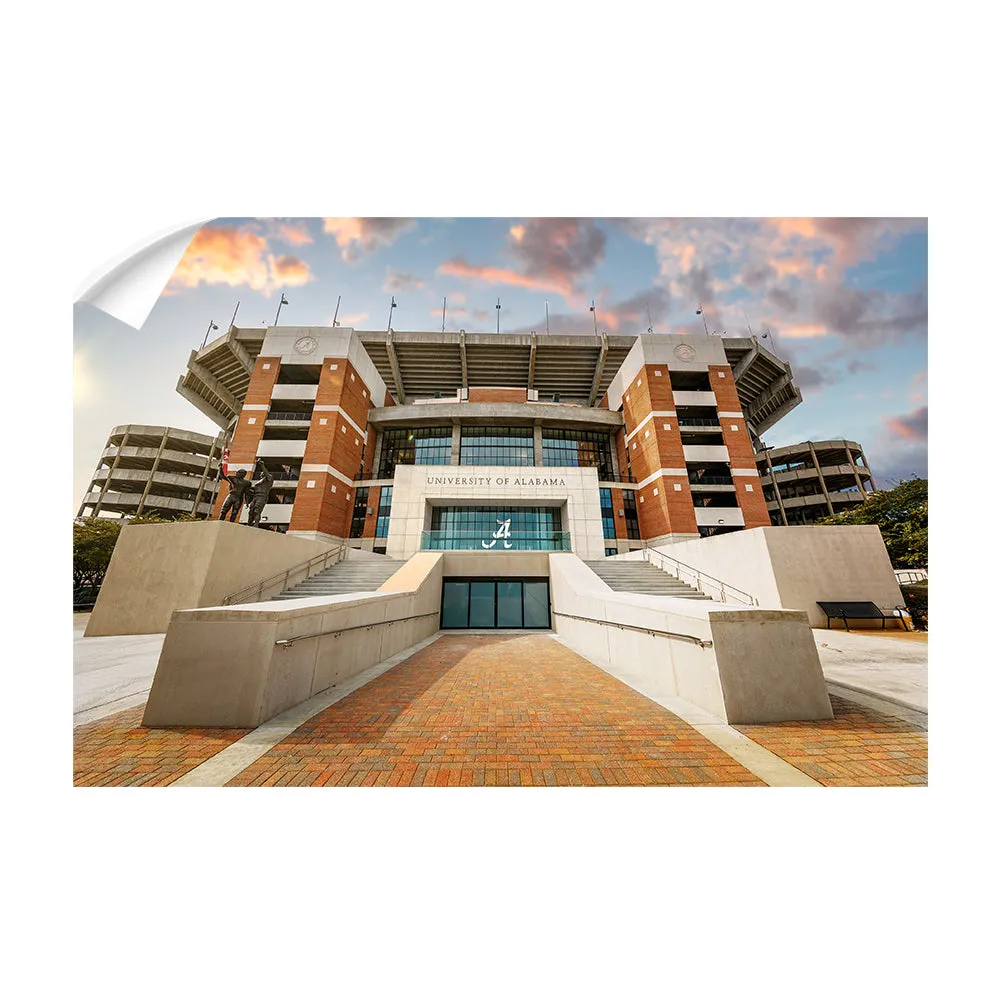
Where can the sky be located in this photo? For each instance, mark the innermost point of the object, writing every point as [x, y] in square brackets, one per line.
[844, 300]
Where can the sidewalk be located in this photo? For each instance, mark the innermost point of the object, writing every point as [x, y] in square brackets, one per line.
[495, 709]
[889, 664]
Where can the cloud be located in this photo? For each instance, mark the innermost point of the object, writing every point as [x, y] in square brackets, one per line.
[800, 329]
[918, 387]
[235, 256]
[794, 266]
[458, 267]
[549, 255]
[295, 232]
[289, 270]
[909, 426]
[357, 237]
[400, 281]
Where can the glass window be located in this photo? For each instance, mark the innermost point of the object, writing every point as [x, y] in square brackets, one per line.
[414, 446]
[384, 510]
[497, 446]
[607, 514]
[509, 609]
[481, 604]
[631, 514]
[536, 604]
[611, 551]
[455, 605]
[360, 512]
[578, 448]
[497, 528]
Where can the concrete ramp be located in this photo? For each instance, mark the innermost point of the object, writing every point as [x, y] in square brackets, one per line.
[744, 665]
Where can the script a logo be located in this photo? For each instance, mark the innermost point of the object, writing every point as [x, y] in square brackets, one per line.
[502, 532]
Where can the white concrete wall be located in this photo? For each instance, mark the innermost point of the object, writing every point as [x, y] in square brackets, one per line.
[331, 342]
[157, 568]
[762, 665]
[794, 567]
[222, 667]
[706, 453]
[676, 352]
[415, 489]
[694, 397]
[714, 517]
[281, 449]
[293, 392]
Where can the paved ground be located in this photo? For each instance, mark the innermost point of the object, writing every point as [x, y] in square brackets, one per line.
[110, 673]
[891, 664]
[116, 751]
[495, 709]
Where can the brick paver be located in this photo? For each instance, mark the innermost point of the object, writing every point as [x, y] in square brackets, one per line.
[116, 750]
[495, 710]
[859, 746]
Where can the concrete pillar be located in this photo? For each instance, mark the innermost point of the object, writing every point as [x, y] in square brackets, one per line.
[111, 471]
[538, 444]
[377, 457]
[868, 469]
[774, 485]
[456, 442]
[152, 471]
[854, 468]
[822, 481]
[204, 474]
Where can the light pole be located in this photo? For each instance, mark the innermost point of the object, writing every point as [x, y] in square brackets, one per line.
[283, 302]
[700, 312]
[211, 327]
[388, 325]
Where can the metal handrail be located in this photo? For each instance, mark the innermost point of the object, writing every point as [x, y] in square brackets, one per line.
[710, 480]
[704, 643]
[289, 415]
[698, 422]
[257, 589]
[702, 579]
[352, 628]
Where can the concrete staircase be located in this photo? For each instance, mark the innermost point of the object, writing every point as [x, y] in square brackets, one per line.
[642, 578]
[347, 577]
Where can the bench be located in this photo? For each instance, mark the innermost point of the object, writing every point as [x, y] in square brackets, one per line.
[860, 609]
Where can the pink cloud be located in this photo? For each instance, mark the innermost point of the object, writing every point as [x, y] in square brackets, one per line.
[235, 256]
[459, 268]
[909, 426]
[296, 233]
[357, 237]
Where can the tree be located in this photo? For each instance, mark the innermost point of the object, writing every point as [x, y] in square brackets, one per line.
[901, 515]
[94, 540]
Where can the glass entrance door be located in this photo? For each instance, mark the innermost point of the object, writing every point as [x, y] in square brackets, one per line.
[482, 603]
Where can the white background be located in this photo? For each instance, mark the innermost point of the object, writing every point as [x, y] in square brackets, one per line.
[123, 120]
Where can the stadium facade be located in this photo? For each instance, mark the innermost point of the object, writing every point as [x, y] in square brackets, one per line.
[402, 442]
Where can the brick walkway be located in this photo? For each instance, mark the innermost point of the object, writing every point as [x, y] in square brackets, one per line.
[857, 747]
[504, 710]
[495, 710]
[117, 751]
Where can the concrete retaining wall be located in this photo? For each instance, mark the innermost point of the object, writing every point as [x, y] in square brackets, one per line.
[797, 566]
[762, 665]
[158, 568]
[221, 666]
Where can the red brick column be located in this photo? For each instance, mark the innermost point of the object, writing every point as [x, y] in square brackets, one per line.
[664, 504]
[250, 424]
[741, 455]
[333, 441]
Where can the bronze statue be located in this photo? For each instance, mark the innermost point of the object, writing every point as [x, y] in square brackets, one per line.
[260, 488]
[239, 493]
